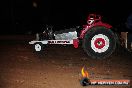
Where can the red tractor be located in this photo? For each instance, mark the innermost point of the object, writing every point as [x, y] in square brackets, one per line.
[97, 38]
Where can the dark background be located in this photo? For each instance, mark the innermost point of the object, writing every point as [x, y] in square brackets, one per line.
[22, 16]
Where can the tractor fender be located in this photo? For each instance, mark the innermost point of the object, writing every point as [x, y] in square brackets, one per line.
[87, 27]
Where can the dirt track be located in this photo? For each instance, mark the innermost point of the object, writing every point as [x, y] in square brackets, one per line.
[57, 67]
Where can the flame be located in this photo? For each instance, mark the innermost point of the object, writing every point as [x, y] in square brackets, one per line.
[84, 73]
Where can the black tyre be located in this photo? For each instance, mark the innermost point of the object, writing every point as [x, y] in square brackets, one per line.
[99, 42]
[38, 47]
[85, 82]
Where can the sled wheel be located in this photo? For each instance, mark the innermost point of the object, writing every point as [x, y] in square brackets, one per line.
[38, 47]
[99, 42]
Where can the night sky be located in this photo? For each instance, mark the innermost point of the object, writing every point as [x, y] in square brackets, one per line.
[20, 16]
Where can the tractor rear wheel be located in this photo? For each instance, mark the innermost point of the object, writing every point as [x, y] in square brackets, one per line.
[99, 42]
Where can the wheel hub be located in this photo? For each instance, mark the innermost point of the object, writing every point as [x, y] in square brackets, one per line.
[100, 43]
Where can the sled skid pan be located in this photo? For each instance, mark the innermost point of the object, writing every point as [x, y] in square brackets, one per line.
[65, 42]
[53, 42]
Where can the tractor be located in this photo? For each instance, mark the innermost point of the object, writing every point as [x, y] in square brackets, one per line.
[97, 38]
